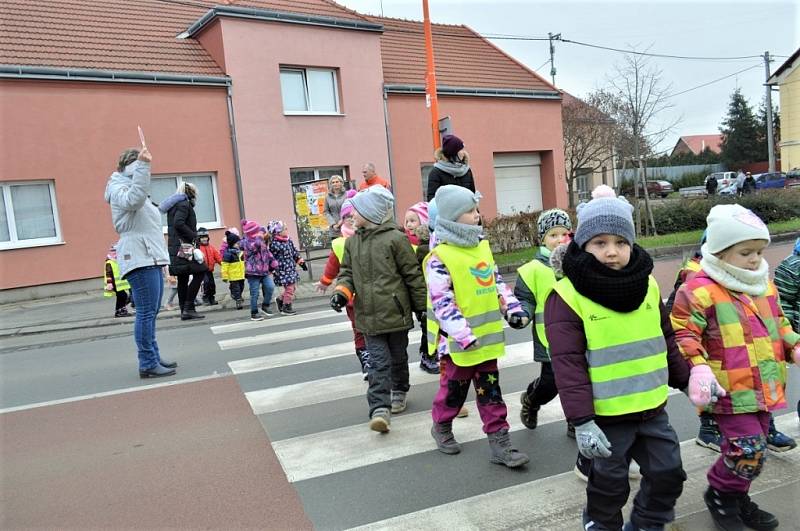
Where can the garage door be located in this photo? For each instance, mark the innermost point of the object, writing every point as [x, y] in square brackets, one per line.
[518, 182]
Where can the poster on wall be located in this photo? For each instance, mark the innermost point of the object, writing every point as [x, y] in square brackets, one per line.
[309, 206]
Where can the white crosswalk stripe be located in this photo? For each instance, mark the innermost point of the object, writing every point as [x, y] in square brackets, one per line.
[317, 456]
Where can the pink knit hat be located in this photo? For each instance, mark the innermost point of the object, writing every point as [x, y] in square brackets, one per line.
[250, 228]
[421, 210]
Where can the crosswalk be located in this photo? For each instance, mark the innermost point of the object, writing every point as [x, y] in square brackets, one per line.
[301, 378]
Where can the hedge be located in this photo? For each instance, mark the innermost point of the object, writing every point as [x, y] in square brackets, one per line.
[517, 231]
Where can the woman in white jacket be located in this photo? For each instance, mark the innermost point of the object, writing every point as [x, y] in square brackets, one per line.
[141, 252]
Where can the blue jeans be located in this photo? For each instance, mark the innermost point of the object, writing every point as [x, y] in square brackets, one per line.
[147, 286]
[267, 288]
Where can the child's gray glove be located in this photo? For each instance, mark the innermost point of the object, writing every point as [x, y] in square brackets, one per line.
[592, 441]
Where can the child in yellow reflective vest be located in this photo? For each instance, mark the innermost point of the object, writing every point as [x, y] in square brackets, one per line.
[466, 301]
[535, 281]
[233, 267]
[116, 286]
[614, 354]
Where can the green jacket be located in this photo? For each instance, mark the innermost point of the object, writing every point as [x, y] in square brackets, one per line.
[380, 272]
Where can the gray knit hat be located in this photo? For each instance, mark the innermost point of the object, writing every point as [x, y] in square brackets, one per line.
[605, 214]
[453, 200]
[373, 203]
[550, 219]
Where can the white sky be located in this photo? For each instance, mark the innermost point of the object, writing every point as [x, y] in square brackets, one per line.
[711, 28]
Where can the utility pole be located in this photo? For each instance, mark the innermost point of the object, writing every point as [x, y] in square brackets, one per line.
[770, 127]
[551, 38]
[431, 100]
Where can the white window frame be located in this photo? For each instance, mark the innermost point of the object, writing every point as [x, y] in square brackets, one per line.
[316, 171]
[311, 112]
[179, 179]
[14, 242]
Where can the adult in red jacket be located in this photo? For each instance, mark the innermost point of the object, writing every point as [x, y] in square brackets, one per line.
[211, 258]
[371, 178]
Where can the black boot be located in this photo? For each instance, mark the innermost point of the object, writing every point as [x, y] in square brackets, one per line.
[286, 309]
[529, 414]
[279, 302]
[724, 509]
[189, 312]
[755, 518]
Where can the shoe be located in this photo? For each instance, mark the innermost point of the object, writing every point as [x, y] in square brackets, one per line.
[755, 518]
[287, 309]
[266, 309]
[582, 467]
[156, 372]
[446, 442]
[589, 524]
[381, 420]
[122, 312]
[463, 412]
[279, 302]
[256, 317]
[211, 302]
[570, 430]
[708, 436]
[189, 313]
[724, 509]
[529, 414]
[239, 304]
[502, 452]
[428, 365]
[167, 364]
[398, 401]
[778, 441]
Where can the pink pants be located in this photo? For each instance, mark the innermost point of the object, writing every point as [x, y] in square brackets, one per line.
[453, 388]
[288, 294]
[744, 450]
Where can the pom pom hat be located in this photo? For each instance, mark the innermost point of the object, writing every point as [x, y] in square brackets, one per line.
[605, 214]
[421, 210]
[250, 228]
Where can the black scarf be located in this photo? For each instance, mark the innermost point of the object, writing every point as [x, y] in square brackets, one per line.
[621, 291]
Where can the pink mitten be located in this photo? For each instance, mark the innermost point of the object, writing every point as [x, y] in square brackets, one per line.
[703, 386]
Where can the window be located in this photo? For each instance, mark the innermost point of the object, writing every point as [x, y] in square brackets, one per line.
[28, 215]
[425, 169]
[206, 206]
[309, 189]
[583, 183]
[309, 91]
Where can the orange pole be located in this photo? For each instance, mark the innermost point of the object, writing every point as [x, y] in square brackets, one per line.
[430, 77]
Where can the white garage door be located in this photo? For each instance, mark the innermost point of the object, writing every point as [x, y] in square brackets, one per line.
[518, 182]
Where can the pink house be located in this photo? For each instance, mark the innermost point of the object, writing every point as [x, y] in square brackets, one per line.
[257, 102]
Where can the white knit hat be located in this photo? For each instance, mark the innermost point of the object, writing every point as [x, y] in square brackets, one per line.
[732, 224]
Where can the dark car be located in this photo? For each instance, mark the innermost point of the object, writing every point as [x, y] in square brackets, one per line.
[657, 188]
[770, 180]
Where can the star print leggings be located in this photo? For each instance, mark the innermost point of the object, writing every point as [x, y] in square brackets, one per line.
[454, 384]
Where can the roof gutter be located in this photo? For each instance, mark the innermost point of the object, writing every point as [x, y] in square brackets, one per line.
[109, 76]
[269, 15]
[470, 91]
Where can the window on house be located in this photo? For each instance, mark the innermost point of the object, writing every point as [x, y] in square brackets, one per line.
[28, 215]
[206, 206]
[309, 90]
[583, 183]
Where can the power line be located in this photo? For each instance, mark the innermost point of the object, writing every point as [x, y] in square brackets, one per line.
[543, 64]
[666, 56]
[713, 81]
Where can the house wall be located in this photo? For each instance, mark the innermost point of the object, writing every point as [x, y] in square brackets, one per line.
[487, 126]
[790, 121]
[73, 133]
[270, 143]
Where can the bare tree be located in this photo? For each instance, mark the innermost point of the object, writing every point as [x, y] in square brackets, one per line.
[589, 136]
[640, 95]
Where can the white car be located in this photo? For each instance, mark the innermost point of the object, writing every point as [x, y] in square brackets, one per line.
[724, 179]
[728, 190]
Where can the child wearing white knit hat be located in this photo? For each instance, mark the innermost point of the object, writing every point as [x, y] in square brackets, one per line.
[731, 330]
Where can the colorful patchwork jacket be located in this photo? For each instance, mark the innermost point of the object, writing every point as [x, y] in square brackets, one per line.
[745, 340]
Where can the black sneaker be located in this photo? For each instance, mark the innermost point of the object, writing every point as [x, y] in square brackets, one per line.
[724, 509]
[582, 467]
[267, 310]
[256, 317]
[755, 518]
[286, 309]
[279, 302]
[239, 305]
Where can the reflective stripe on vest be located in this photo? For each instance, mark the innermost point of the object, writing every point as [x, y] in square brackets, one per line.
[472, 273]
[120, 283]
[540, 280]
[337, 246]
[626, 352]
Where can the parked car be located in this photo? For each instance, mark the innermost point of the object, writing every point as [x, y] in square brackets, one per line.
[693, 191]
[657, 188]
[792, 178]
[728, 190]
[724, 178]
[770, 180]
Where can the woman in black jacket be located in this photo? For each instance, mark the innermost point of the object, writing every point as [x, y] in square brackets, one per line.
[182, 229]
[451, 167]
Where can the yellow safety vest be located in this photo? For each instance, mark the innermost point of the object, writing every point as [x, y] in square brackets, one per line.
[472, 272]
[233, 271]
[626, 352]
[337, 246]
[120, 283]
[540, 279]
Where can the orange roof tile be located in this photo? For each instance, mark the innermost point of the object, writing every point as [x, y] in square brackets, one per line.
[128, 35]
[697, 143]
[463, 58]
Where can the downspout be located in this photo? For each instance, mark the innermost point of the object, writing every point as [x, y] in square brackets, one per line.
[235, 146]
[389, 144]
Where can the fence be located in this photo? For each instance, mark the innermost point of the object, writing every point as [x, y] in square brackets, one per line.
[670, 173]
